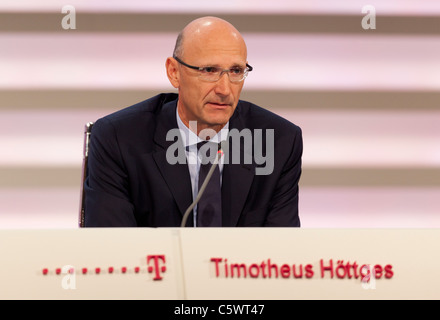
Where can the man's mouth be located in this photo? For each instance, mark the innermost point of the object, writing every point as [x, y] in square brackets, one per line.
[219, 105]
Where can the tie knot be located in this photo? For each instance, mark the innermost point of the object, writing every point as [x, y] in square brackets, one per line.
[202, 143]
[207, 151]
[209, 143]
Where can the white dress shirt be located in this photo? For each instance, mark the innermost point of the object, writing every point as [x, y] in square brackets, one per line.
[191, 139]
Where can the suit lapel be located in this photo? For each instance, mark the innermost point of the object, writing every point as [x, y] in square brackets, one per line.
[176, 176]
[236, 181]
[236, 178]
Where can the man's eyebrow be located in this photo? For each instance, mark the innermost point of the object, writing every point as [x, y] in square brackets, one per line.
[238, 65]
[235, 65]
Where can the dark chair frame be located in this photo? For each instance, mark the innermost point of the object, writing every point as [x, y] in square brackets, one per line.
[84, 172]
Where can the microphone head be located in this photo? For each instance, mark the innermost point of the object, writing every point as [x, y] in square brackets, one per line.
[222, 146]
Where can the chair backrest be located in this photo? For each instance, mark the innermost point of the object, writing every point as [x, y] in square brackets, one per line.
[87, 132]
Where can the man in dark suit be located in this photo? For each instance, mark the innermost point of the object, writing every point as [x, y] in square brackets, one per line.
[136, 177]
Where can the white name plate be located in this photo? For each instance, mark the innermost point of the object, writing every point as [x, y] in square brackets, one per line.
[220, 264]
[292, 264]
[90, 264]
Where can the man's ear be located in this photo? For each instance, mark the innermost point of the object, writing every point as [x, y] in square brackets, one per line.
[173, 72]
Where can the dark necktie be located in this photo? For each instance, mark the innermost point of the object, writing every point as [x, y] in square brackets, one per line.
[209, 208]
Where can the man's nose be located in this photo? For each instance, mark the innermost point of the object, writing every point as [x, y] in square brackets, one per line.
[223, 85]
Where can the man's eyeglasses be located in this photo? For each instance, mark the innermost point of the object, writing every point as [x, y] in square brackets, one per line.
[213, 74]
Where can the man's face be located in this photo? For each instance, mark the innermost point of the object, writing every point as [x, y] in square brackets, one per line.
[211, 104]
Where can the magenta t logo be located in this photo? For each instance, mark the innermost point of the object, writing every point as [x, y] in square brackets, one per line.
[156, 268]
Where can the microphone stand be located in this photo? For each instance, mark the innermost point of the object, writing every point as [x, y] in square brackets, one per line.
[202, 189]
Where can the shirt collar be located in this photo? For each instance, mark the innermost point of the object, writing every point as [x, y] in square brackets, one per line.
[190, 138]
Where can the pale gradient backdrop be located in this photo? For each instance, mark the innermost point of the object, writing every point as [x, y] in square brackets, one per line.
[368, 101]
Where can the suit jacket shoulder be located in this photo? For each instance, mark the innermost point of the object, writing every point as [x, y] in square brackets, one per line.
[151, 106]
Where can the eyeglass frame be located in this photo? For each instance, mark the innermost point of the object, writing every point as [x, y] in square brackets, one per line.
[245, 74]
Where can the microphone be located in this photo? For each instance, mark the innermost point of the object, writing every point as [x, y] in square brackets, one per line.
[203, 187]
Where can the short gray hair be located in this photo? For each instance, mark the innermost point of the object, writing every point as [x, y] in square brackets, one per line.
[178, 48]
